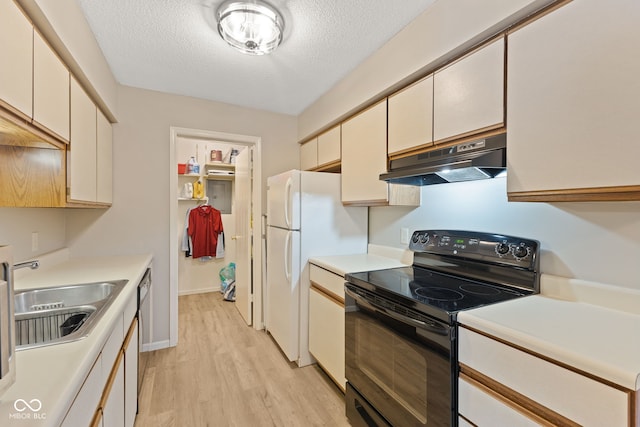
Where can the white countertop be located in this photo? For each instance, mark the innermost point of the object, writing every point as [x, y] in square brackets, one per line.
[592, 327]
[378, 258]
[54, 374]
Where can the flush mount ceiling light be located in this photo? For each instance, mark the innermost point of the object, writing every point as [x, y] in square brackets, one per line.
[252, 27]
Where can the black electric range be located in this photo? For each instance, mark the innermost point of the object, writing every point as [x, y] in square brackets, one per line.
[457, 270]
[401, 360]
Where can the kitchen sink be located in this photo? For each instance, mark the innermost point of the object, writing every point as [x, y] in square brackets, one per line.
[57, 315]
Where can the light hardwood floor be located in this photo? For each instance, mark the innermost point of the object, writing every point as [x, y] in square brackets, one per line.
[224, 373]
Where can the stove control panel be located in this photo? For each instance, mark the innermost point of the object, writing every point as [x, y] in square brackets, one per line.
[487, 247]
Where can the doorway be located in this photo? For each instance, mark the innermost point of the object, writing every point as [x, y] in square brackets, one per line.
[207, 147]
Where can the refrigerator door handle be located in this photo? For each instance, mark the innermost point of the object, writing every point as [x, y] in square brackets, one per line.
[287, 202]
[287, 256]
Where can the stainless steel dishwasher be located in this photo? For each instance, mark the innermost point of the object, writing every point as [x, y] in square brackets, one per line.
[143, 311]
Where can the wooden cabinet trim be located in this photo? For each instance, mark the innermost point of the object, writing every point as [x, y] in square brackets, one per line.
[97, 418]
[516, 401]
[594, 194]
[327, 293]
[112, 378]
[473, 136]
[331, 377]
[130, 333]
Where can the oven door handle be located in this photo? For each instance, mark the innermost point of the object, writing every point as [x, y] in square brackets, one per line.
[431, 326]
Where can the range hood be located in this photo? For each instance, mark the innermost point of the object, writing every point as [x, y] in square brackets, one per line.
[480, 159]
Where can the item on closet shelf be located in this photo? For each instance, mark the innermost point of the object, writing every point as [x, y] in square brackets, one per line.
[234, 154]
[182, 168]
[187, 190]
[216, 156]
[193, 166]
[198, 190]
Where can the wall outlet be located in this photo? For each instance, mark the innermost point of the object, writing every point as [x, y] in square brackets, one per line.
[34, 241]
[404, 236]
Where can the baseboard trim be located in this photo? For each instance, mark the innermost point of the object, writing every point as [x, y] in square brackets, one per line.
[157, 345]
[198, 291]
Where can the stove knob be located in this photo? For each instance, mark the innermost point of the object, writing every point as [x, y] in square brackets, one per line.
[520, 251]
[425, 239]
[415, 238]
[502, 248]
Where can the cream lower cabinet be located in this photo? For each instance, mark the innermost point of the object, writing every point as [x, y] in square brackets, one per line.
[108, 397]
[572, 104]
[501, 384]
[468, 95]
[364, 158]
[326, 322]
[16, 48]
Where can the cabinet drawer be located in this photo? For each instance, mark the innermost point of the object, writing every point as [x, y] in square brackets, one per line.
[484, 408]
[577, 397]
[329, 281]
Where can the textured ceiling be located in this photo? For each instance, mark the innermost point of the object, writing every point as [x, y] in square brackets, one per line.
[173, 46]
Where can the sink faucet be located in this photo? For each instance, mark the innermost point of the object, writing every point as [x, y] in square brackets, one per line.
[31, 264]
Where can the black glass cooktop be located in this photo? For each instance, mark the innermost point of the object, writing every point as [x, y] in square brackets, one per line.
[437, 294]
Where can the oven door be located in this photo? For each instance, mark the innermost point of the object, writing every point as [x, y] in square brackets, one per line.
[399, 364]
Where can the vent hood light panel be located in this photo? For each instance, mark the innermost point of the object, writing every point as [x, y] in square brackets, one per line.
[480, 159]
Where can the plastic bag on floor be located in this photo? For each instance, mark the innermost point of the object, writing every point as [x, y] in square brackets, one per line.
[230, 293]
[227, 276]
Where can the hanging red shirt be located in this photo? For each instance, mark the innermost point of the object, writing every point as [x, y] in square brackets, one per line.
[205, 224]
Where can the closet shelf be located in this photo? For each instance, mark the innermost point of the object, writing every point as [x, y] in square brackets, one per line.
[195, 175]
[189, 199]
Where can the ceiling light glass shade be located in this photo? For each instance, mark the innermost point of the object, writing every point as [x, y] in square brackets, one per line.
[251, 27]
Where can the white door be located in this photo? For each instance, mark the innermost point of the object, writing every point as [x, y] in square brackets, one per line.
[283, 290]
[243, 237]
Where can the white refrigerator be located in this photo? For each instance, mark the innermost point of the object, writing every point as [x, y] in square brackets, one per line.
[305, 218]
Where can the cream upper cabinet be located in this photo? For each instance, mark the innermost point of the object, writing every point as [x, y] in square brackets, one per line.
[309, 155]
[573, 99]
[468, 95]
[411, 117]
[81, 167]
[16, 48]
[104, 160]
[322, 152]
[329, 147]
[50, 89]
[364, 157]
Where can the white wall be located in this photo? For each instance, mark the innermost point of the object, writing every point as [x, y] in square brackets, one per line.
[591, 241]
[138, 221]
[17, 224]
